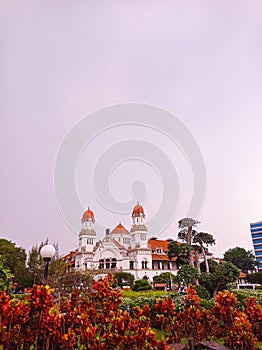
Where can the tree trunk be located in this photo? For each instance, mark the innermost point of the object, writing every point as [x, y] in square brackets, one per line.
[189, 235]
[189, 242]
[216, 288]
[197, 261]
[205, 258]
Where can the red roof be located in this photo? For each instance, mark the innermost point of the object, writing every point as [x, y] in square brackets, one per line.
[157, 243]
[88, 215]
[242, 274]
[119, 229]
[158, 257]
[70, 257]
[138, 209]
[158, 285]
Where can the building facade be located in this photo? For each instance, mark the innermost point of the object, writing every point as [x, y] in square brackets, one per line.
[121, 250]
[256, 234]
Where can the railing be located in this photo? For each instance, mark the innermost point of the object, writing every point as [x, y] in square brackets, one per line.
[110, 270]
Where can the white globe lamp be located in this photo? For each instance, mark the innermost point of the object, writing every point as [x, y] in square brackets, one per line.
[47, 252]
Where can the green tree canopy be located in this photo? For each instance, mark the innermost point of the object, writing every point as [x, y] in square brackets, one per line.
[255, 277]
[124, 278]
[142, 284]
[181, 251]
[165, 277]
[203, 240]
[5, 277]
[14, 259]
[186, 274]
[243, 259]
[186, 234]
[12, 255]
[220, 276]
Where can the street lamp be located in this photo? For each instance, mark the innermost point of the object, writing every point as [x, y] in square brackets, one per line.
[47, 252]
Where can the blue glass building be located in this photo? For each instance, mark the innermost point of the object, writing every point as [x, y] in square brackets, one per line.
[256, 233]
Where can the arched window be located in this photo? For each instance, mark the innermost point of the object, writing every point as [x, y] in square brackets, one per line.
[107, 263]
[144, 264]
[101, 264]
[113, 263]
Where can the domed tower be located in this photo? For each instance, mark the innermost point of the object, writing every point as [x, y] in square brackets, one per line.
[87, 236]
[139, 233]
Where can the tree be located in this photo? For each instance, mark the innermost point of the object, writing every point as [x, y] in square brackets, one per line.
[142, 284]
[124, 278]
[5, 277]
[14, 259]
[203, 238]
[243, 259]
[57, 269]
[180, 251]
[36, 266]
[255, 277]
[220, 276]
[75, 279]
[187, 274]
[165, 277]
[11, 254]
[186, 233]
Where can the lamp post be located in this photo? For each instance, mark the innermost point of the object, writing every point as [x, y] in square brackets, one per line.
[47, 252]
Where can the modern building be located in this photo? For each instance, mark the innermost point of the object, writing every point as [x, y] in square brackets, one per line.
[121, 250]
[256, 233]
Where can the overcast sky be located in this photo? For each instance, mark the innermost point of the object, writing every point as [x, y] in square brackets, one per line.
[62, 60]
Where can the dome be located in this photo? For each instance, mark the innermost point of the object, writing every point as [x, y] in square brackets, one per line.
[138, 210]
[88, 215]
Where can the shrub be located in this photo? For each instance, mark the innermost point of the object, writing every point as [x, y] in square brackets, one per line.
[202, 292]
[85, 321]
[240, 335]
[141, 285]
[254, 313]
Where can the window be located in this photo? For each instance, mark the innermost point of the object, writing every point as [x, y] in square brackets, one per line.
[113, 263]
[107, 263]
[144, 264]
[131, 265]
[101, 264]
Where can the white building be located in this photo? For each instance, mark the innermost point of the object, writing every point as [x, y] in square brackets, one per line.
[121, 250]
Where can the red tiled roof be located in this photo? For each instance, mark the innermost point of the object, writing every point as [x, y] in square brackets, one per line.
[161, 257]
[157, 243]
[138, 209]
[242, 274]
[120, 229]
[69, 256]
[88, 215]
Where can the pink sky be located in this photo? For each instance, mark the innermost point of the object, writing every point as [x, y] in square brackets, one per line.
[62, 60]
